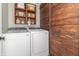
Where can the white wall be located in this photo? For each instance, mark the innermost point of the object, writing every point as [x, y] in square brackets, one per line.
[11, 21]
[4, 17]
[0, 25]
[0, 18]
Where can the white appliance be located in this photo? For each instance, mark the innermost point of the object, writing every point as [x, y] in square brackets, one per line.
[22, 43]
[39, 42]
[17, 44]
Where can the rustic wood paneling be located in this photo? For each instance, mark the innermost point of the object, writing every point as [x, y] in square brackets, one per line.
[44, 16]
[65, 25]
[64, 29]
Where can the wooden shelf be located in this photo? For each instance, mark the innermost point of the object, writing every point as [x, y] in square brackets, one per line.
[31, 18]
[20, 9]
[31, 11]
[25, 11]
[20, 17]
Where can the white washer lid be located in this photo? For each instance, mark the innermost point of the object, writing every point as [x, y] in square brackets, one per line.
[36, 30]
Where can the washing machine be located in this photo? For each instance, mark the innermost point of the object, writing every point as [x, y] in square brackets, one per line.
[39, 42]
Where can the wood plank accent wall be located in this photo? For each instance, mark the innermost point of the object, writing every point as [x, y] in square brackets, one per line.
[44, 22]
[64, 29]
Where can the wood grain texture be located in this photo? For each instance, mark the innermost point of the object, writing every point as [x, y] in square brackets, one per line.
[64, 29]
[44, 17]
[65, 25]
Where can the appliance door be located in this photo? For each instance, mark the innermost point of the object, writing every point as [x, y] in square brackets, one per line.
[39, 42]
[17, 44]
